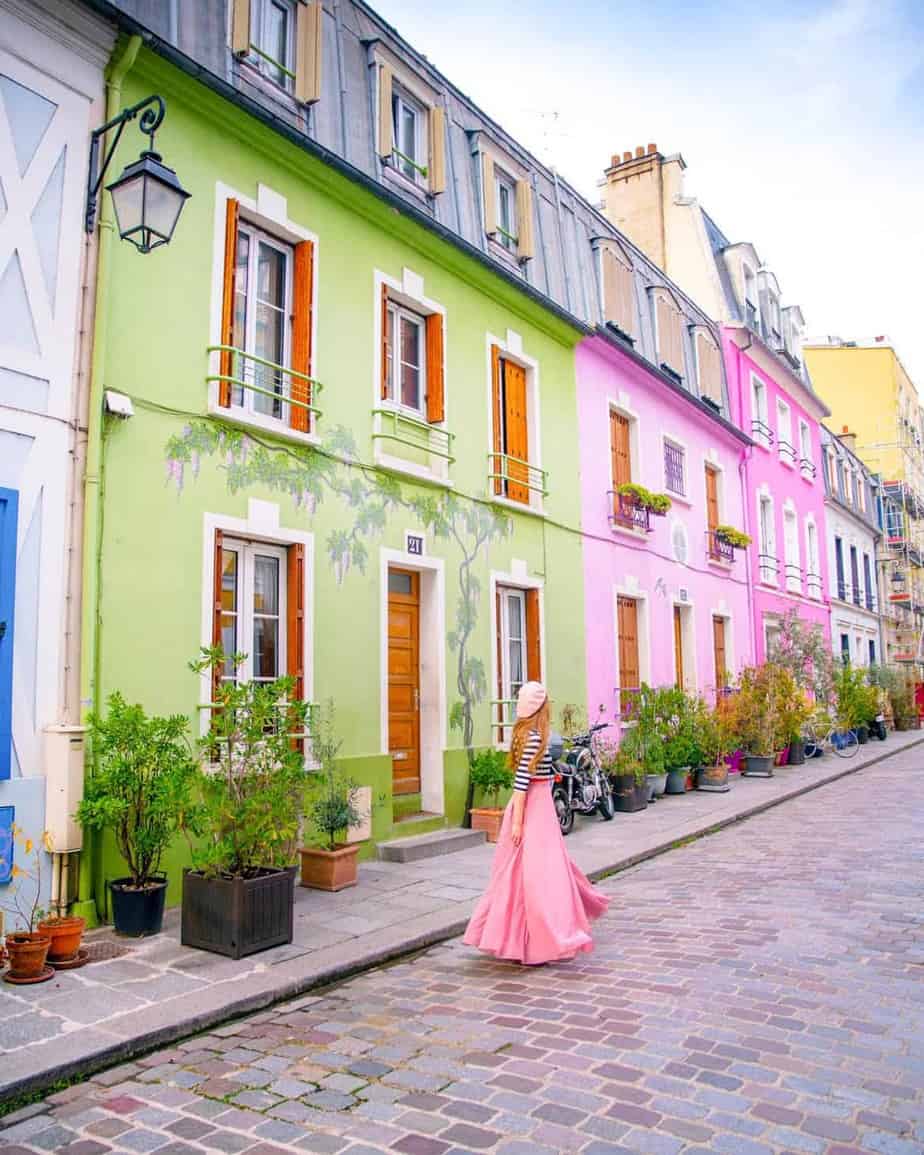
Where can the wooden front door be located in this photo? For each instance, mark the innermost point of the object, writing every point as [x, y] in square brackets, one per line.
[678, 645]
[712, 498]
[718, 650]
[404, 679]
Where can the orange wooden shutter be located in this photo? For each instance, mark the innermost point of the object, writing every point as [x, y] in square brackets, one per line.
[384, 342]
[617, 292]
[227, 302]
[217, 575]
[524, 197]
[712, 498]
[627, 624]
[516, 432]
[710, 368]
[435, 387]
[678, 647]
[303, 278]
[533, 648]
[496, 463]
[619, 449]
[718, 649]
[295, 622]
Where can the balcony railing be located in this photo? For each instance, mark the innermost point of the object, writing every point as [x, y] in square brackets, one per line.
[269, 385]
[762, 432]
[793, 574]
[769, 568]
[841, 590]
[787, 451]
[626, 511]
[807, 468]
[719, 549]
[413, 432]
[813, 585]
[509, 475]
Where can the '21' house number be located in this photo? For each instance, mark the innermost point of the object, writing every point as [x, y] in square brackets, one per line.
[414, 543]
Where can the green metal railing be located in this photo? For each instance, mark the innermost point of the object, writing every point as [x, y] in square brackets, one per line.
[528, 476]
[265, 56]
[421, 168]
[514, 240]
[393, 425]
[247, 370]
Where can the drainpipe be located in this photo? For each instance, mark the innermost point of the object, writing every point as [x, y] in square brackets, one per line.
[119, 67]
[743, 474]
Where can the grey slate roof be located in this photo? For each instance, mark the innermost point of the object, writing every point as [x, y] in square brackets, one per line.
[567, 227]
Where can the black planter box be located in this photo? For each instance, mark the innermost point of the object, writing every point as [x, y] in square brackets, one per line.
[862, 735]
[137, 913]
[238, 916]
[629, 795]
[796, 753]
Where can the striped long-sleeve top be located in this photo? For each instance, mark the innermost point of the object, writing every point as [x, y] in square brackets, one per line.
[543, 769]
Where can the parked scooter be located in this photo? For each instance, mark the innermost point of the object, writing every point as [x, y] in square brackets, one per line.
[581, 786]
[877, 729]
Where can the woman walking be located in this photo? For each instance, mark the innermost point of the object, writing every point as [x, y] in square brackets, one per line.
[538, 905]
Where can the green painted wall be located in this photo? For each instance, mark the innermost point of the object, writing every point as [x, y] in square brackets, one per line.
[163, 468]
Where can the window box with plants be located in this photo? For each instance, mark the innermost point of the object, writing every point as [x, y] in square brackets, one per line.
[657, 504]
[333, 809]
[238, 896]
[490, 776]
[141, 789]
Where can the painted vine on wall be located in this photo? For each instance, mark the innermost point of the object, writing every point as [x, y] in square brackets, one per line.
[305, 474]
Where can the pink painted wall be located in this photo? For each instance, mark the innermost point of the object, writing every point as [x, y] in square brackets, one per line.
[646, 565]
[767, 471]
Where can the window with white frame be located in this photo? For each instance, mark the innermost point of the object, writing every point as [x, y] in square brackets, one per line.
[773, 319]
[262, 320]
[253, 609]
[273, 39]
[812, 567]
[787, 450]
[505, 190]
[406, 360]
[768, 563]
[751, 307]
[806, 463]
[512, 641]
[760, 427]
[791, 549]
[675, 468]
[409, 133]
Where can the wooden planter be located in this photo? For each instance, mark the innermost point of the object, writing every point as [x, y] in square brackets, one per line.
[490, 820]
[330, 870]
[238, 916]
[27, 954]
[65, 935]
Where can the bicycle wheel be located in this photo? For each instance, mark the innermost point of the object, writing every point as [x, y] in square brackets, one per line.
[811, 740]
[845, 743]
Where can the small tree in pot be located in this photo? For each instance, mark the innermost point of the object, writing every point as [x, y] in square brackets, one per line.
[333, 811]
[627, 773]
[491, 774]
[27, 945]
[718, 733]
[757, 705]
[141, 788]
[238, 897]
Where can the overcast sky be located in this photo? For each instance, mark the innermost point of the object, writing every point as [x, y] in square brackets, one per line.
[801, 123]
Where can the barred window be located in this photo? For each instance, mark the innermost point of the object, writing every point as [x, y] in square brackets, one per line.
[674, 468]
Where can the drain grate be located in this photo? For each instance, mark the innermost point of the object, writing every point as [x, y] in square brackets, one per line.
[105, 949]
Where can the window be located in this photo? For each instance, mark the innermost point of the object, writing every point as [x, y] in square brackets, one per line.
[845, 649]
[282, 39]
[518, 644]
[407, 118]
[806, 463]
[839, 569]
[507, 208]
[751, 309]
[767, 559]
[854, 575]
[626, 512]
[868, 583]
[512, 475]
[772, 320]
[791, 547]
[668, 333]
[813, 572]
[759, 423]
[618, 290]
[265, 352]
[411, 132]
[872, 652]
[719, 653]
[628, 645]
[784, 433]
[713, 517]
[405, 361]
[675, 468]
[709, 368]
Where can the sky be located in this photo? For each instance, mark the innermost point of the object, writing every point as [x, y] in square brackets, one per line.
[801, 124]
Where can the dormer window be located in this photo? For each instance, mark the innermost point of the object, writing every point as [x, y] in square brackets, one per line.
[618, 289]
[668, 333]
[411, 131]
[281, 39]
[708, 367]
[751, 306]
[773, 324]
[408, 119]
[506, 206]
[505, 193]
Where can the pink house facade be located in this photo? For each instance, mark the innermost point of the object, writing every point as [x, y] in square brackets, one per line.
[666, 602]
[784, 487]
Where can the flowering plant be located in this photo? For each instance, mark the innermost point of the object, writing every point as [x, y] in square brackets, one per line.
[24, 878]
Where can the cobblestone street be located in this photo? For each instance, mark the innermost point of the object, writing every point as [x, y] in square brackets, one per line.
[758, 992]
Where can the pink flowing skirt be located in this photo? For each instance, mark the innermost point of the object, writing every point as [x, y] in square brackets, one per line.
[538, 905]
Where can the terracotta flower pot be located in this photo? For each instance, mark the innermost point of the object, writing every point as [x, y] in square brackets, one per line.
[329, 869]
[28, 953]
[488, 819]
[65, 935]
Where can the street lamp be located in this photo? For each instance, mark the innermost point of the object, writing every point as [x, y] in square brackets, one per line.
[147, 198]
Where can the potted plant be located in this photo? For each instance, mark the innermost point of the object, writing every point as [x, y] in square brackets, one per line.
[66, 934]
[851, 699]
[490, 774]
[26, 946]
[238, 895]
[657, 503]
[757, 707]
[626, 772]
[733, 537]
[332, 866]
[717, 733]
[141, 789]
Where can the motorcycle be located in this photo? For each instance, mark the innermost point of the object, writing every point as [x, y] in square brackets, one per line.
[877, 729]
[581, 786]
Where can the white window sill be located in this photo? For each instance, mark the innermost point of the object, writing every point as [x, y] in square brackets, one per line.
[409, 469]
[789, 464]
[403, 183]
[727, 566]
[518, 506]
[629, 531]
[807, 477]
[271, 425]
[679, 498]
[507, 256]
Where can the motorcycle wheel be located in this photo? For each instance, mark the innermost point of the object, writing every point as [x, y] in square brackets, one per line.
[606, 807]
[563, 811]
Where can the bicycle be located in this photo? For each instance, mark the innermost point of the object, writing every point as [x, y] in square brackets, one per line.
[844, 743]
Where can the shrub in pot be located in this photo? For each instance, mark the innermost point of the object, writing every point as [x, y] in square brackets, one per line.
[27, 944]
[239, 894]
[853, 701]
[332, 866]
[142, 789]
[659, 716]
[490, 774]
[759, 702]
[795, 711]
[717, 733]
[626, 772]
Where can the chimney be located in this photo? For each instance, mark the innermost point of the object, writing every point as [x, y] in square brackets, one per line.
[638, 192]
[845, 437]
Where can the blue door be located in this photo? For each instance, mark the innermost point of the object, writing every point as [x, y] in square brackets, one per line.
[9, 500]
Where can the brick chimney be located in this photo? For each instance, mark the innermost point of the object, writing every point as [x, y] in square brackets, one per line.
[640, 186]
[845, 437]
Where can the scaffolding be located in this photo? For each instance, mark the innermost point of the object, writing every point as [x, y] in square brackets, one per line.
[901, 566]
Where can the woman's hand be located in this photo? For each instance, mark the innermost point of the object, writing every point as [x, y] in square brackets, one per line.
[517, 832]
[519, 808]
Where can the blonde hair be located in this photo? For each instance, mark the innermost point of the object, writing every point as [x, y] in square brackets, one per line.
[521, 731]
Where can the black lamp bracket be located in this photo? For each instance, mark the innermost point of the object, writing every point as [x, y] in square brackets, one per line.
[151, 119]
